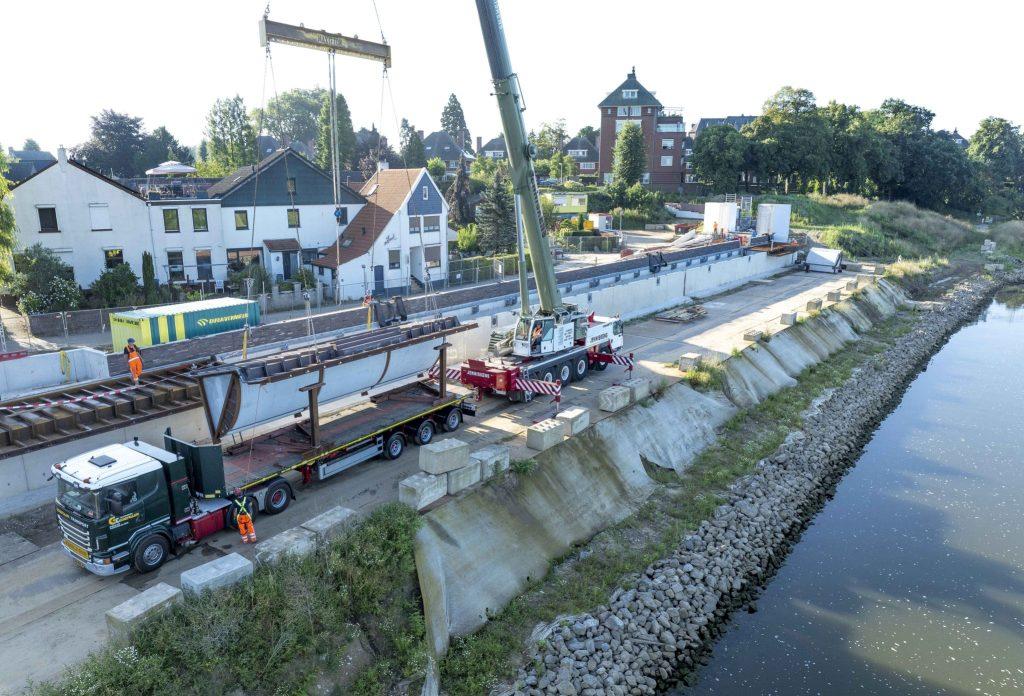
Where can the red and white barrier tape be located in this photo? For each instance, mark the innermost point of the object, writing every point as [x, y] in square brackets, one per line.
[538, 386]
[79, 399]
[453, 373]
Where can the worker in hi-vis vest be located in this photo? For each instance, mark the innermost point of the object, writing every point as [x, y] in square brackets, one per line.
[245, 526]
[134, 360]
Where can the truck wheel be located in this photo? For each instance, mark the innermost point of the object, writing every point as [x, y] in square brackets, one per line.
[452, 420]
[279, 495]
[565, 373]
[425, 432]
[150, 554]
[394, 446]
[549, 375]
[601, 366]
[579, 368]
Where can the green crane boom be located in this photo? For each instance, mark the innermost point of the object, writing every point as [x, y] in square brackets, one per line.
[520, 155]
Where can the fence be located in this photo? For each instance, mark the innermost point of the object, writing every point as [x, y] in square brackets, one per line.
[578, 244]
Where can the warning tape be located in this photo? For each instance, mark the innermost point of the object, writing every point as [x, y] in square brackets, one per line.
[79, 399]
[615, 359]
[538, 386]
[453, 373]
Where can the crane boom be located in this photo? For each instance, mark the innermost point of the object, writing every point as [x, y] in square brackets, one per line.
[520, 155]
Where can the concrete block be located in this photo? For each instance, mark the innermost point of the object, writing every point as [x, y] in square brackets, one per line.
[834, 296]
[421, 489]
[994, 267]
[788, 319]
[688, 360]
[851, 285]
[443, 456]
[331, 524]
[145, 605]
[752, 335]
[613, 399]
[464, 478]
[813, 305]
[545, 434]
[866, 279]
[223, 572]
[575, 419]
[291, 542]
[493, 460]
[639, 388]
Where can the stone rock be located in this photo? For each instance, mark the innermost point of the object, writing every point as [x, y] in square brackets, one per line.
[545, 434]
[222, 572]
[639, 388]
[420, 490]
[463, 478]
[331, 524]
[614, 399]
[143, 606]
[493, 459]
[442, 456]
[296, 541]
[576, 420]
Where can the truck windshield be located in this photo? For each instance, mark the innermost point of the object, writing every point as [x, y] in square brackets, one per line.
[523, 329]
[79, 499]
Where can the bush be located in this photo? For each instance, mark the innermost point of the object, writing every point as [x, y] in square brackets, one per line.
[257, 272]
[117, 286]
[1009, 237]
[599, 202]
[305, 279]
[468, 238]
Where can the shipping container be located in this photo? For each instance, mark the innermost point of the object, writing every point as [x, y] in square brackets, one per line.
[154, 325]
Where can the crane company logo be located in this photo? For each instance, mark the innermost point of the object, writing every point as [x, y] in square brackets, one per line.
[116, 521]
[206, 321]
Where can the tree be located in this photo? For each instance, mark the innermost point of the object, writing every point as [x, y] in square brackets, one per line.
[562, 165]
[150, 288]
[459, 211]
[496, 217]
[160, 146]
[630, 158]
[413, 154]
[346, 137]
[292, 116]
[42, 282]
[718, 157]
[794, 138]
[550, 139]
[468, 238]
[588, 132]
[30, 145]
[8, 238]
[230, 135]
[998, 146]
[453, 122]
[437, 169]
[117, 286]
[115, 144]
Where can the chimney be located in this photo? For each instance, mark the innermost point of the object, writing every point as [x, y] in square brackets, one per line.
[420, 133]
[62, 156]
[479, 144]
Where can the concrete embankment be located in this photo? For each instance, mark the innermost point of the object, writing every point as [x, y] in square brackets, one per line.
[653, 630]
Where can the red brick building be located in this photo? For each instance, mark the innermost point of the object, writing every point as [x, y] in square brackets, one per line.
[665, 137]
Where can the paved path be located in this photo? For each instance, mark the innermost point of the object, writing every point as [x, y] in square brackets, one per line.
[45, 598]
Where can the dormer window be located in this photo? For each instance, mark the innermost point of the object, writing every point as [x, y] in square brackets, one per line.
[629, 94]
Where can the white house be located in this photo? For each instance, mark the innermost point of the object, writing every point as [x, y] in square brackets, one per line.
[91, 222]
[397, 242]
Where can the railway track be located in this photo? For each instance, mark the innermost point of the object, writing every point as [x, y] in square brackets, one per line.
[52, 417]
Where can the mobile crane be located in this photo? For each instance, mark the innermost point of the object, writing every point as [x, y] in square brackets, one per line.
[556, 341]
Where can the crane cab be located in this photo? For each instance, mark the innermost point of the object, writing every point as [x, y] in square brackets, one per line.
[539, 335]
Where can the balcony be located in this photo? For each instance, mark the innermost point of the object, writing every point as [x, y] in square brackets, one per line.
[671, 127]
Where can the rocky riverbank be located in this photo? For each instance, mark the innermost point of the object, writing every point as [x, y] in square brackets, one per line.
[656, 630]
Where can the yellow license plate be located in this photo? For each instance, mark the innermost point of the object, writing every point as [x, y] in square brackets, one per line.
[76, 549]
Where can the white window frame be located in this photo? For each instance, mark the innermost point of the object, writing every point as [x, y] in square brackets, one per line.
[588, 165]
[630, 93]
[392, 266]
[47, 206]
[634, 111]
[666, 160]
[645, 178]
[622, 111]
[426, 192]
[98, 207]
[667, 143]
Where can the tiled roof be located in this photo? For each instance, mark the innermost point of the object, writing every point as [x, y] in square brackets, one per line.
[581, 143]
[494, 144]
[285, 244]
[736, 122]
[643, 96]
[385, 192]
[79, 165]
[32, 155]
[441, 144]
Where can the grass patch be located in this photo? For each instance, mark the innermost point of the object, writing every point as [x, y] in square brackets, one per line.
[476, 663]
[914, 275]
[1009, 237]
[523, 466]
[281, 632]
[705, 374]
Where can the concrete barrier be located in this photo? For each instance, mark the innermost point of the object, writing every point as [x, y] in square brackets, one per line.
[545, 434]
[575, 419]
[752, 335]
[493, 459]
[123, 618]
[613, 399]
[421, 489]
[834, 296]
[443, 456]
[223, 572]
[788, 319]
[688, 360]
[291, 542]
[463, 478]
[813, 305]
[851, 285]
[330, 524]
[639, 388]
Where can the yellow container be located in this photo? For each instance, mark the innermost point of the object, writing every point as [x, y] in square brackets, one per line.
[122, 328]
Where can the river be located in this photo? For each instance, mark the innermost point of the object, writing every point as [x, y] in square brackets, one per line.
[911, 580]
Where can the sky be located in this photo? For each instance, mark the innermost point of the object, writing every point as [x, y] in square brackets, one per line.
[168, 61]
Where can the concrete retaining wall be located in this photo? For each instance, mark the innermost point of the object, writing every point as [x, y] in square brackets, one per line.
[45, 370]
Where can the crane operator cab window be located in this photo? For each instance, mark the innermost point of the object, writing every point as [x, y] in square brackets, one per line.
[539, 332]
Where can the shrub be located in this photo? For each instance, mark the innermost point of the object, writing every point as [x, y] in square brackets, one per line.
[117, 286]
[305, 278]
[468, 238]
[1009, 237]
[255, 270]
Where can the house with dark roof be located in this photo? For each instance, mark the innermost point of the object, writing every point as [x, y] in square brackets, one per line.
[736, 122]
[494, 148]
[24, 163]
[396, 243]
[955, 137]
[663, 130]
[747, 178]
[585, 154]
[441, 144]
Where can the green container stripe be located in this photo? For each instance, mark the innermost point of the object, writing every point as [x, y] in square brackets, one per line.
[211, 321]
[154, 330]
[172, 332]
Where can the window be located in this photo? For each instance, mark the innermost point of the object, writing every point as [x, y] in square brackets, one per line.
[666, 161]
[619, 125]
[171, 220]
[667, 143]
[670, 127]
[426, 193]
[587, 165]
[291, 185]
[175, 265]
[309, 256]
[691, 179]
[204, 264]
[577, 153]
[432, 256]
[394, 258]
[622, 111]
[689, 152]
[241, 219]
[414, 225]
[99, 217]
[431, 223]
[113, 257]
[240, 258]
[629, 94]
[293, 217]
[634, 111]
[47, 219]
[199, 223]
[341, 215]
[689, 165]
[607, 177]
[646, 178]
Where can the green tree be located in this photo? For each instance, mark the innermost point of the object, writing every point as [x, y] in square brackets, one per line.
[413, 154]
[562, 165]
[468, 238]
[997, 146]
[794, 138]
[160, 146]
[346, 137]
[453, 122]
[496, 221]
[30, 145]
[718, 157]
[150, 288]
[550, 139]
[459, 211]
[115, 144]
[8, 238]
[292, 116]
[630, 157]
[42, 282]
[231, 139]
[437, 169]
[117, 286]
[588, 132]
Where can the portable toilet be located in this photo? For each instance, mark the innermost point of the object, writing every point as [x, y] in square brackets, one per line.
[773, 219]
[153, 325]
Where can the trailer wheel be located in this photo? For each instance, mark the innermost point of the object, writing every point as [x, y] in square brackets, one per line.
[279, 495]
[579, 368]
[565, 373]
[425, 432]
[394, 446]
[549, 376]
[452, 420]
[601, 366]
[150, 554]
